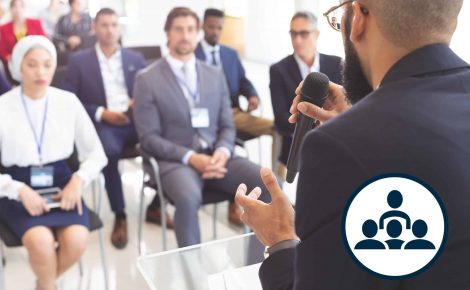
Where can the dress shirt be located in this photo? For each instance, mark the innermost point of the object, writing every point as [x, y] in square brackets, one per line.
[304, 68]
[115, 88]
[188, 72]
[67, 125]
[209, 50]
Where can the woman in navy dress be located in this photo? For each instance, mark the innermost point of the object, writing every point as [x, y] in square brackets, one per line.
[39, 128]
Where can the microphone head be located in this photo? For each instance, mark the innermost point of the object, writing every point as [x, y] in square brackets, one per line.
[315, 88]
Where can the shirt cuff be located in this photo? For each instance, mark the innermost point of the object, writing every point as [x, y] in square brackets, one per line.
[84, 176]
[99, 114]
[226, 151]
[15, 189]
[186, 157]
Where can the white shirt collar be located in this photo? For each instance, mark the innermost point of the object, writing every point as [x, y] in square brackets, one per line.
[177, 64]
[102, 56]
[209, 48]
[304, 68]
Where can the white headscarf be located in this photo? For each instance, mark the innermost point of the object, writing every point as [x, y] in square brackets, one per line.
[23, 47]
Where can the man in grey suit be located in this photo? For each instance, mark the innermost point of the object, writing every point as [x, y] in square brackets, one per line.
[183, 118]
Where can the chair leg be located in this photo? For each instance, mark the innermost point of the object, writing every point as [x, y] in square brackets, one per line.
[163, 219]
[2, 269]
[214, 223]
[101, 231]
[80, 269]
[103, 259]
[140, 243]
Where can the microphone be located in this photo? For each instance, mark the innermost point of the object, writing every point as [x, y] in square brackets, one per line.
[314, 91]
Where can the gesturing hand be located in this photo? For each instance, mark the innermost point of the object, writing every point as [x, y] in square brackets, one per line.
[273, 222]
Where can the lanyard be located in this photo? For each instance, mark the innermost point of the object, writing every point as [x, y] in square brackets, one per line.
[38, 140]
[195, 95]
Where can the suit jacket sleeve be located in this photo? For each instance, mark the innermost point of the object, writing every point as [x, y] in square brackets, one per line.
[149, 125]
[72, 83]
[226, 129]
[327, 177]
[280, 98]
[246, 87]
[4, 84]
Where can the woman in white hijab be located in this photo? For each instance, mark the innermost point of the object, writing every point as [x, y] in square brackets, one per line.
[39, 127]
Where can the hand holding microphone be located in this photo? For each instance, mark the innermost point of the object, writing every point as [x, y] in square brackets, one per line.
[315, 92]
[336, 103]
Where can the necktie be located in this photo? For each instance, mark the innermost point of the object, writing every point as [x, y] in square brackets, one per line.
[214, 60]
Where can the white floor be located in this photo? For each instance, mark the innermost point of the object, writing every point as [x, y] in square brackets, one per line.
[123, 273]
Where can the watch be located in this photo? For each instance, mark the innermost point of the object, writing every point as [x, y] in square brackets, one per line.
[282, 245]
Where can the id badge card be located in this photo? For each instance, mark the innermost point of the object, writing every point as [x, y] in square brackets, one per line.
[200, 117]
[42, 176]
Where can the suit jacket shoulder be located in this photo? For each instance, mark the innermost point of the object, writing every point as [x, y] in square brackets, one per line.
[285, 62]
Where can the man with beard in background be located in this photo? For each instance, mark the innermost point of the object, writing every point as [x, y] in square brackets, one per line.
[411, 115]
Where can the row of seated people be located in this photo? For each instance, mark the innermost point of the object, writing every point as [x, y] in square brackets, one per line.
[285, 75]
[181, 109]
[69, 28]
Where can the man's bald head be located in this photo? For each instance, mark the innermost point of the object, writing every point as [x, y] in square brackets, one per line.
[412, 23]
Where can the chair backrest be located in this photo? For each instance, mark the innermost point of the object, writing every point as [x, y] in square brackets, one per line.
[151, 53]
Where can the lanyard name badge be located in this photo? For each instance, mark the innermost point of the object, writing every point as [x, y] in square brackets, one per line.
[41, 176]
[199, 116]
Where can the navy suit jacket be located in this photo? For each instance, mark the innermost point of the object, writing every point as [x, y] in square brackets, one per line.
[4, 84]
[83, 76]
[284, 78]
[416, 123]
[234, 72]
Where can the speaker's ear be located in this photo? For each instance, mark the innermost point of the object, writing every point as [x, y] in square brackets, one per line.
[358, 22]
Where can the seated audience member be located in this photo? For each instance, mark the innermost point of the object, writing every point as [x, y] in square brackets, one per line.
[103, 78]
[4, 84]
[183, 118]
[290, 71]
[51, 14]
[73, 30]
[39, 127]
[15, 30]
[212, 52]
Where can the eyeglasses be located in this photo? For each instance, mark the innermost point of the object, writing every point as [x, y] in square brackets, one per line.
[302, 33]
[335, 14]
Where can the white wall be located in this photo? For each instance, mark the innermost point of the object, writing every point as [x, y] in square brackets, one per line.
[460, 43]
[266, 23]
[266, 30]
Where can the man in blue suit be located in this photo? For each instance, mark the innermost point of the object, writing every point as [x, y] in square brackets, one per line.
[214, 53]
[103, 78]
[286, 74]
[4, 84]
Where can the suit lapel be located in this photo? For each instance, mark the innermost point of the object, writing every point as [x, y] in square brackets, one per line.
[294, 69]
[324, 67]
[200, 52]
[96, 71]
[201, 84]
[128, 68]
[175, 87]
[225, 61]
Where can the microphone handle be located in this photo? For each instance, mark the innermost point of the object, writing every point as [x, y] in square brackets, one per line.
[303, 126]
